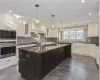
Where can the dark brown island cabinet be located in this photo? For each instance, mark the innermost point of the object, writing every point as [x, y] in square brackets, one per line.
[36, 62]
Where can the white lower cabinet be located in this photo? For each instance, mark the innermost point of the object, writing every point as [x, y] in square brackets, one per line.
[7, 62]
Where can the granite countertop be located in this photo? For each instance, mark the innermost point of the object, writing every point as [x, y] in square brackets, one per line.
[26, 43]
[43, 48]
[70, 42]
[65, 42]
[44, 43]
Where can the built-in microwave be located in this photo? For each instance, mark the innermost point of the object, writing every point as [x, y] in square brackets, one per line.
[7, 50]
[6, 34]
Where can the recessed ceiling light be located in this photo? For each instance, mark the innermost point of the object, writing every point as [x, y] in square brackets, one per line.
[17, 16]
[74, 23]
[53, 26]
[33, 19]
[82, 1]
[10, 11]
[24, 22]
[90, 14]
[89, 20]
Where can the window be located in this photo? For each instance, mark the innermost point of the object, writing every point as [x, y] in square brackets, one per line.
[74, 34]
[66, 35]
[79, 34]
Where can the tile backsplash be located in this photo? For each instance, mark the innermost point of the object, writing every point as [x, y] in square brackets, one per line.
[29, 40]
[25, 40]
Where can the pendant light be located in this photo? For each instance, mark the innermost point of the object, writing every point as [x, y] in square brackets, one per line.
[36, 20]
[61, 25]
[53, 21]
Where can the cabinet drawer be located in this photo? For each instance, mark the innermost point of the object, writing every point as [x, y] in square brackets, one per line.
[7, 61]
[23, 57]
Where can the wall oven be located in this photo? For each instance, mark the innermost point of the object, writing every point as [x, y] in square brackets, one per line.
[7, 49]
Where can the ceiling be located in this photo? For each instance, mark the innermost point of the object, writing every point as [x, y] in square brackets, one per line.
[70, 11]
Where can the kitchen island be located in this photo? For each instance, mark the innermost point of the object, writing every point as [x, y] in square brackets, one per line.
[36, 62]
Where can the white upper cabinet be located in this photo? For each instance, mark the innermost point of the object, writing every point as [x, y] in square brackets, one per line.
[24, 30]
[7, 22]
[93, 30]
[23, 26]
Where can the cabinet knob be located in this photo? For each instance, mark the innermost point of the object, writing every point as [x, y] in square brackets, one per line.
[27, 56]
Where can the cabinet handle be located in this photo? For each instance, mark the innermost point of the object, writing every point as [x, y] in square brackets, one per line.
[24, 60]
[21, 53]
[27, 56]
[8, 60]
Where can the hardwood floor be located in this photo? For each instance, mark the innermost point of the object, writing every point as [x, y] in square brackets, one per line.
[77, 68]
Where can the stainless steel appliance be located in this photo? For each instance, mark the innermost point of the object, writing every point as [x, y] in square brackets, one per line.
[7, 49]
[8, 34]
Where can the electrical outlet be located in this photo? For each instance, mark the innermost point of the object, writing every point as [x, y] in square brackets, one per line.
[22, 41]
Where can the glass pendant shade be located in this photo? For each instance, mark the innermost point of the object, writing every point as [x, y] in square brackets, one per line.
[37, 21]
[53, 26]
[53, 21]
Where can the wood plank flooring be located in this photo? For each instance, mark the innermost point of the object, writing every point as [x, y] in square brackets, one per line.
[77, 68]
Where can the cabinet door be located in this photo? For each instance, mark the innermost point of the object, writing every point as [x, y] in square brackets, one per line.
[21, 64]
[29, 68]
[26, 67]
[21, 30]
[26, 29]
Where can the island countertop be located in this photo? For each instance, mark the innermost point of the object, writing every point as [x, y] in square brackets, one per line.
[41, 49]
[36, 62]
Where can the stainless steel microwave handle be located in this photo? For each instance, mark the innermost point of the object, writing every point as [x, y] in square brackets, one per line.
[0, 51]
